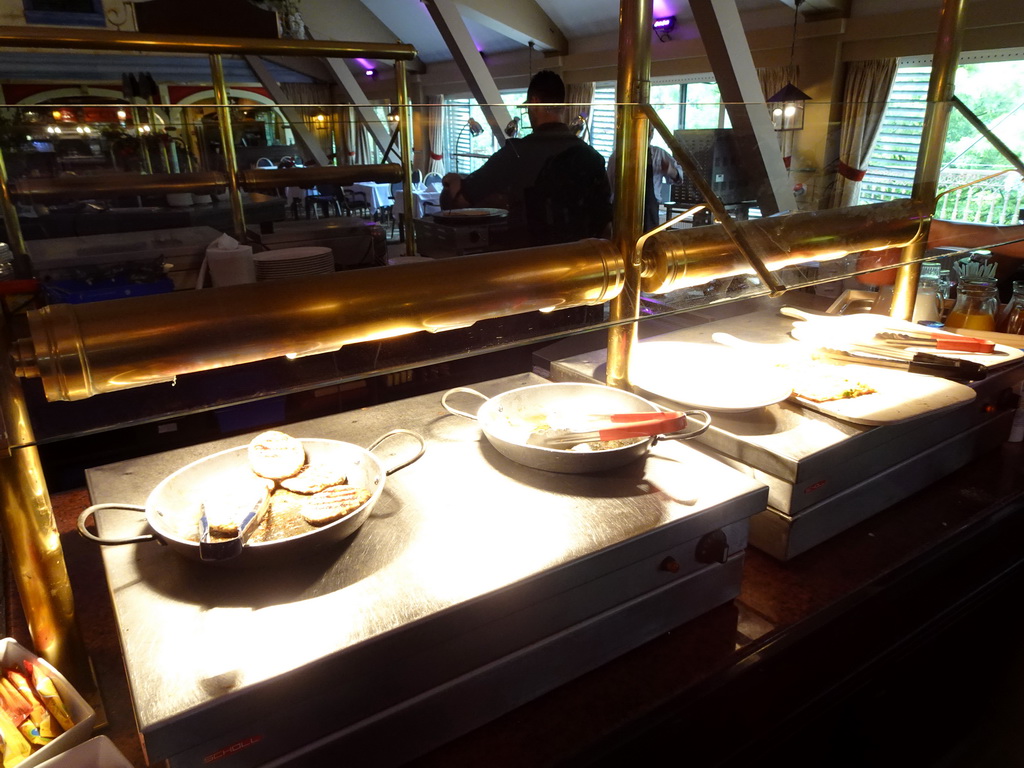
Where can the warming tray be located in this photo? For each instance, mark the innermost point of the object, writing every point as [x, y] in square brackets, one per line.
[475, 585]
[805, 456]
[824, 475]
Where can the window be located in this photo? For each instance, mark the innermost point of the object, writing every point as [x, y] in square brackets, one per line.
[994, 91]
[469, 152]
[679, 105]
[67, 13]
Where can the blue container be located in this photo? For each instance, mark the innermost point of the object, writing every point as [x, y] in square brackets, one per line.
[83, 292]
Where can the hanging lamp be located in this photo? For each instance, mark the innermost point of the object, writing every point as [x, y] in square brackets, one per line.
[787, 106]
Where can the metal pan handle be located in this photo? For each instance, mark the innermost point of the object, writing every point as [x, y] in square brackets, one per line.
[419, 452]
[456, 411]
[83, 521]
[687, 434]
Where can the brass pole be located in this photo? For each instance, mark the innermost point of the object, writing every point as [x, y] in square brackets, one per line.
[929, 161]
[111, 40]
[33, 541]
[632, 90]
[715, 204]
[405, 134]
[14, 233]
[683, 258]
[80, 350]
[227, 140]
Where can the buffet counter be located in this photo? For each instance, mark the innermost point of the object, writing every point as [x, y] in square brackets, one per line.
[732, 675]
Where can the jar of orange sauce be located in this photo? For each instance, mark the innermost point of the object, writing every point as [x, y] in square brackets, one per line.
[977, 302]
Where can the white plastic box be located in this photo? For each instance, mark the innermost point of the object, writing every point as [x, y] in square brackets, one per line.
[84, 717]
[98, 752]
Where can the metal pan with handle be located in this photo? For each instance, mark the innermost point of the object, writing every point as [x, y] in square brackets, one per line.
[173, 509]
[508, 420]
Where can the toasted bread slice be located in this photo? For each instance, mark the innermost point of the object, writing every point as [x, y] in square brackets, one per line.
[332, 503]
[314, 477]
[275, 455]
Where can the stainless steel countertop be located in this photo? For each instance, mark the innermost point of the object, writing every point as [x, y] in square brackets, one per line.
[787, 441]
[461, 524]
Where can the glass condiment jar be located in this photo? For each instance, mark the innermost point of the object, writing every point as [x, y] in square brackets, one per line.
[1012, 320]
[928, 305]
[977, 302]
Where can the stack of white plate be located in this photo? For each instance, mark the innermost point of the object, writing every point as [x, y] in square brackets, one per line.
[284, 263]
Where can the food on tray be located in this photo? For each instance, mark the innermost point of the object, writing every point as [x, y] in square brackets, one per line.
[331, 503]
[284, 519]
[15, 746]
[31, 713]
[229, 509]
[314, 477]
[275, 455]
[818, 384]
[41, 727]
[47, 693]
[306, 497]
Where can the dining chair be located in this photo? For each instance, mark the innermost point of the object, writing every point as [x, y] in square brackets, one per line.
[355, 200]
[388, 213]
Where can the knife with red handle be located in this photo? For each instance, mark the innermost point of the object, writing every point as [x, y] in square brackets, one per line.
[949, 342]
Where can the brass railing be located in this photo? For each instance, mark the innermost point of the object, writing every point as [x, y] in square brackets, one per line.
[30, 530]
[82, 350]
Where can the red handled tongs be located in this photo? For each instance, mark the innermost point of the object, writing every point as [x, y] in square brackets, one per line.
[618, 426]
[949, 342]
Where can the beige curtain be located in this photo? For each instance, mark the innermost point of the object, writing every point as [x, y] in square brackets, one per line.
[362, 145]
[579, 96]
[314, 94]
[355, 138]
[866, 91]
[773, 80]
[434, 115]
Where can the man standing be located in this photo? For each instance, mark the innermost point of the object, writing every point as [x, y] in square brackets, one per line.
[662, 168]
[552, 183]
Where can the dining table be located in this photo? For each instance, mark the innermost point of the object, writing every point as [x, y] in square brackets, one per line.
[424, 196]
[377, 194]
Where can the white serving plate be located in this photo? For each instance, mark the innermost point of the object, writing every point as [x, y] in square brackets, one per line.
[709, 377]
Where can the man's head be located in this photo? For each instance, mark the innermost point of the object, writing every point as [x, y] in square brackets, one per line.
[545, 98]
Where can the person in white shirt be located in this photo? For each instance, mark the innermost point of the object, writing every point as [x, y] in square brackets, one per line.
[662, 170]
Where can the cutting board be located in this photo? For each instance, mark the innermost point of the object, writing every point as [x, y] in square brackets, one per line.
[833, 330]
[898, 396]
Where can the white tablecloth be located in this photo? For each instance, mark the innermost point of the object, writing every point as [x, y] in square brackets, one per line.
[378, 194]
[419, 197]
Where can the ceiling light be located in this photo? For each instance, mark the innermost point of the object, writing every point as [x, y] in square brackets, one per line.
[663, 26]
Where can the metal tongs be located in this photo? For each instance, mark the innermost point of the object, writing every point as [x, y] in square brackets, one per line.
[223, 548]
[949, 342]
[616, 426]
[912, 362]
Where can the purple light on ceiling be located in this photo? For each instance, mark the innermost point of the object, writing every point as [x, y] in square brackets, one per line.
[366, 64]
